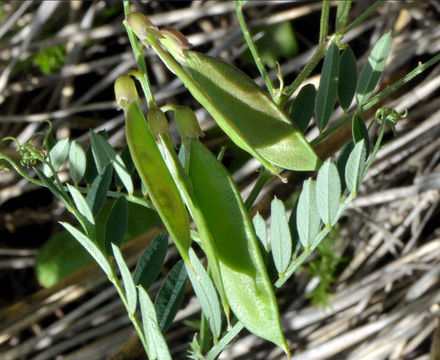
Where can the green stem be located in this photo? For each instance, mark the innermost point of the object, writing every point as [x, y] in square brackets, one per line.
[399, 83]
[333, 128]
[323, 28]
[361, 17]
[262, 179]
[133, 317]
[375, 150]
[20, 171]
[139, 56]
[304, 74]
[322, 49]
[218, 348]
[253, 49]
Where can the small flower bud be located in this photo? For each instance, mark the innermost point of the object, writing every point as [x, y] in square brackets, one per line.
[175, 42]
[125, 91]
[186, 123]
[157, 121]
[141, 25]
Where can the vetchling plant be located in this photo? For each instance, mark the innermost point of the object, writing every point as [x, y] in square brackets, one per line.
[234, 290]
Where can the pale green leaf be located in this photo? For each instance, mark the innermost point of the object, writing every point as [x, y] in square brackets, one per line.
[90, 246]
[373, 69]
[100, 156]
[261, 230]
[355, 167]
[307, 216]
[129, 286]
[328, 192]
[157, 347]
[77, 161]
[280, 239]
[206, 294]
[57, 156]
[81, 204]
[105, 155]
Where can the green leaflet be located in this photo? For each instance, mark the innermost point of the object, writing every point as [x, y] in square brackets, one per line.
[347, 78]
[170, 295]
[206, 294]
[235, 244]
[157, 178]
[157, 347]
[77, 161]
[328, 86]
[307, 216]
[57, 155]
[151, 261]
[303, 106]
[372, 70]
[280, 238]
[129, 286]
[328, 193]
[355, 167]
[360, 131]
[116, 225]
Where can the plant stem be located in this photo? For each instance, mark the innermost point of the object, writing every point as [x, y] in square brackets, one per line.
[399, 83]
[253, 49]
[139, 56]
[262, 179]
[323, 28]
[361, 17]
[20, 171]
[331, 129]
[375, 150]
[218, 348]
[133, 317]
[305, 72]
[322, 49]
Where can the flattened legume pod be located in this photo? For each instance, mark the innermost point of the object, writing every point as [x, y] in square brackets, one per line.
[154, 173]
[184, 184]
[245, 280]
[245, 112]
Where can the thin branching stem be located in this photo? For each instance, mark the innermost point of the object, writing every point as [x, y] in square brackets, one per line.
[253, 49]
[323, 28]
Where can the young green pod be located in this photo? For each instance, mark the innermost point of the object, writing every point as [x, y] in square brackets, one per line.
[157, 179]
[245, 280]
[244, 111]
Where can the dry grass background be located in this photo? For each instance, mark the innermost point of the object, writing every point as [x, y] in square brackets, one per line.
[384, 303]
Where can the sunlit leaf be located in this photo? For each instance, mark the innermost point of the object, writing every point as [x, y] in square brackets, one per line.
[280, 239]
[373, 69]
[328, 192]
